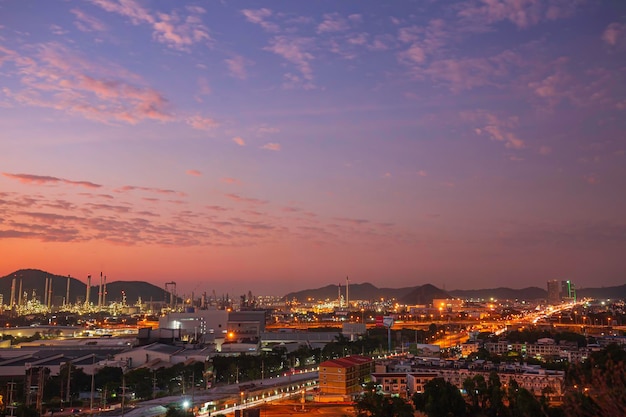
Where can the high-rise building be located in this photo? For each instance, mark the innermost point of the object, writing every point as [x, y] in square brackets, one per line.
[554, 292]
[568, 291]
[559, 291]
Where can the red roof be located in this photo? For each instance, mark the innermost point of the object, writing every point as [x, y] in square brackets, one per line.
[347, 362]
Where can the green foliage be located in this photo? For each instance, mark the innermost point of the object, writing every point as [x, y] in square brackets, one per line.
[598, 386]
[373, 404]
[140, 381]
[440, 399]
[177, 412]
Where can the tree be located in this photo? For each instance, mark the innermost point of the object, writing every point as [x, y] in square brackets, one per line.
[598, 387]
[440, 399]
[140, 381]
[374, 404]
[522, 403]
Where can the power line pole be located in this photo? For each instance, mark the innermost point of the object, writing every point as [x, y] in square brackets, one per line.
[11, 389]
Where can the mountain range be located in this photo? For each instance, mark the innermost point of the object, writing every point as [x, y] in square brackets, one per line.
[33, 281]
[424, 294]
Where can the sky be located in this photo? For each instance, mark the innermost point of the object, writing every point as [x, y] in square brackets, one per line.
[284, 145]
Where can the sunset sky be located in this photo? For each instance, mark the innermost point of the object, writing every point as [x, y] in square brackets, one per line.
[277, 146]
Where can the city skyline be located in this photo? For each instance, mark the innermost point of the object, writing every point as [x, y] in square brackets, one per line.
[236, 146]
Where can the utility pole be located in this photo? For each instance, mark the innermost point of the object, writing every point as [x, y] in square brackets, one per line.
[123, 392]
[68, 399]
[11, 389]
[93, 375]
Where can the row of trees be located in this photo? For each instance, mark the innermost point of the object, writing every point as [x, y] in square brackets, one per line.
[484, 398]
[108, 386]
[595, 388]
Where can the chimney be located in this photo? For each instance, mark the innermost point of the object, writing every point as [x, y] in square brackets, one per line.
[88, 290]
[12, 292]
[67, 291]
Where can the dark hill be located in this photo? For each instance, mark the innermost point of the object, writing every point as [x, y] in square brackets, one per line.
[615, 293]
[423, 295]
[365, 291]
[34, 282]
[530, 293]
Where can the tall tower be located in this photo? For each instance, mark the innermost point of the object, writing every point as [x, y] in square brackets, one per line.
[104, 292]
[100, 292]
[347, 294]
[554, 292]
[12, 292]
[339, 295]
[50, 293]
[67, 291]
[45, 292]
[88, 290]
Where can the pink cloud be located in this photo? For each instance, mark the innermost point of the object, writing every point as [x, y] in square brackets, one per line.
[42, 179]
[58, 78]
[422, 173]
[87, 23]
[193, 172]
[545, 150]
[237, 66]
[614, 33]
[271, 146]
[180, 35]
[169, 29]
[522, 13]
[333, 22]
[128, 188]
[202, 123]
[239, 141]
[496, 128]
[249, 200]
[228, 180]
[259, 17]
[294, 50]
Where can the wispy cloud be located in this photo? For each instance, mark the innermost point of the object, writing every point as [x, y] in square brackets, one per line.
[239, 141]
[248, 200]
[262, 130]
[44, 179]
[128, 188]
[228, 180]
[333, 22]
[271, 146]
[61, 79]
[545, 150]
[193, 172]
[170, 29]
[87, 23]
[259, 17]
[294, 50]
[202, 123]
[522, 13]
[614, 33]
[495, 128]
[237, 66]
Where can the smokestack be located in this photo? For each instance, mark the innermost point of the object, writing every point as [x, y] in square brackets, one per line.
[339, 294]
[50, 293]
[104, 292]
[19, 295]
[67, 291]
[347, 289]
[88, 290]
[100, 292]
[12, 292]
